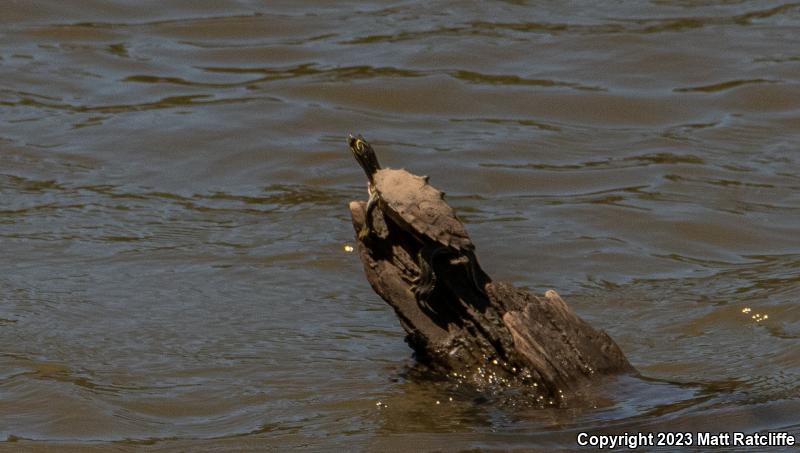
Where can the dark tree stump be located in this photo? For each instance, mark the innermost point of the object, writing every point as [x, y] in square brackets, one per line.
[503, 336]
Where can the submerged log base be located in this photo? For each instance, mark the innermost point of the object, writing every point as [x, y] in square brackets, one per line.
[504, 337]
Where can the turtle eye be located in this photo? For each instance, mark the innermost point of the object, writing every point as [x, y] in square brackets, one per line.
[360, 145]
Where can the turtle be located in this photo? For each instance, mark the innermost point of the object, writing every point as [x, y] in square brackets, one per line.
[418, 208]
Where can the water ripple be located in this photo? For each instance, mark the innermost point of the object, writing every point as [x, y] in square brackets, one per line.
[173, 213]
[723, 86]
[167, 102]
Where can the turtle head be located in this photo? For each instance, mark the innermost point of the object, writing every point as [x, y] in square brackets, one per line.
[364, 154]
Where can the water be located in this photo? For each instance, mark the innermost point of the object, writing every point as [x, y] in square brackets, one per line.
[174, 184]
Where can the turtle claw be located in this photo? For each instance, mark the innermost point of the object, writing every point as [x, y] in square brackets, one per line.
[421, 293]
[422, 288]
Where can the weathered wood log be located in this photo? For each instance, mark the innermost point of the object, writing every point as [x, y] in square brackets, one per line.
[498, 336]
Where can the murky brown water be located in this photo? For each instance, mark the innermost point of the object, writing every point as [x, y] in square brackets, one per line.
[173, 206]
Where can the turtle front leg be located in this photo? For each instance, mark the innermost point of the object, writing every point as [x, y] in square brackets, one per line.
[424, 284]
[368, 229]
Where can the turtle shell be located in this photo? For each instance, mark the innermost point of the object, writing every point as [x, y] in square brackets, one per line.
[420, 208]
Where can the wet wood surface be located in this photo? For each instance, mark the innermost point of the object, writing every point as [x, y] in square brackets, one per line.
[503, 335]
